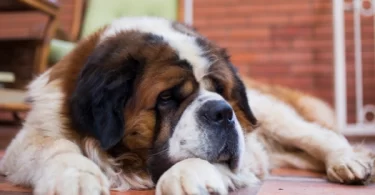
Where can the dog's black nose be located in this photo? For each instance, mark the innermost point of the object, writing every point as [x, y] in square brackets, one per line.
[218, 112]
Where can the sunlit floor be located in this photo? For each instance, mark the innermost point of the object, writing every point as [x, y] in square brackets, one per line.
[281, 181]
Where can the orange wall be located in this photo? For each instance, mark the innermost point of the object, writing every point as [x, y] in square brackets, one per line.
[287, 42]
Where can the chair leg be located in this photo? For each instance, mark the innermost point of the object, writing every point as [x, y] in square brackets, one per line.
[16, 117]
[42, 50]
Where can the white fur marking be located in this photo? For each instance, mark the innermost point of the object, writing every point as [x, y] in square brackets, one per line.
[189, 130]
[185, 45]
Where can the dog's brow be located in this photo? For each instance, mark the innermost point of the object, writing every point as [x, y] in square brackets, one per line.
[184, 64]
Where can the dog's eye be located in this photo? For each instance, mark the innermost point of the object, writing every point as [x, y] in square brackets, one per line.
[219, 88]
[166, 96]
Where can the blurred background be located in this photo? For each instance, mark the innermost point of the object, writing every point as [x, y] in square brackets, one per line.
[284, 42]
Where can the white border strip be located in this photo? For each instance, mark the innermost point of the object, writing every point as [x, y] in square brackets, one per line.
[359, 130]
[188, 11]
[358, 60]
[339, 62]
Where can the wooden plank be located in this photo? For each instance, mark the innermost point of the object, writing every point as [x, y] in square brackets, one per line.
[70, 18]
[7, 77]
[77, 20]
[13, 100]
[47, 7]
[24, 25]
[180, 11]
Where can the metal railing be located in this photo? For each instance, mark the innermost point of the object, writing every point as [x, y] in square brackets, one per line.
[362, 125]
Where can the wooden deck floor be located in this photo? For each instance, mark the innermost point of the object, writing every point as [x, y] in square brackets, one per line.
[281, 181]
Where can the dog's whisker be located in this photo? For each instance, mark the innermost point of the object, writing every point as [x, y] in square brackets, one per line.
[160, 152]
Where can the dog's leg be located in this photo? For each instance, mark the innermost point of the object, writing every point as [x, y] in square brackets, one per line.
[51, 165]
[296, 159]
[197, 176]
[282, 124]
[41, 156]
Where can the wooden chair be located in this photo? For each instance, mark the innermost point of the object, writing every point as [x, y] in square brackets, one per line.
[33, 20]
[98, 13]
[27, 26]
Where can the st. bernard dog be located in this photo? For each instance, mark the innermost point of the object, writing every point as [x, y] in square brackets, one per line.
[146, 102]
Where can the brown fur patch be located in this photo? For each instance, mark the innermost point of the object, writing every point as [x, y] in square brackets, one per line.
[140, 113]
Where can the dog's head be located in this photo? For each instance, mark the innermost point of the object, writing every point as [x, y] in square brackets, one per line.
[148, 83]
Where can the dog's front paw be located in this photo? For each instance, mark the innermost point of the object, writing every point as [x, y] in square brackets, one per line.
[350, 168]
[191, 176]
[75, 175]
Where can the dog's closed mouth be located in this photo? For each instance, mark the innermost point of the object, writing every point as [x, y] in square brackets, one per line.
[228, 157]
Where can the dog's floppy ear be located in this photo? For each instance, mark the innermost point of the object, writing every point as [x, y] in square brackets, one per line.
[239, 93]
[103, 87]
[243, 103]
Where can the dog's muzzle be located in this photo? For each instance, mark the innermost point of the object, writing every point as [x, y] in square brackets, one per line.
[218, 119]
